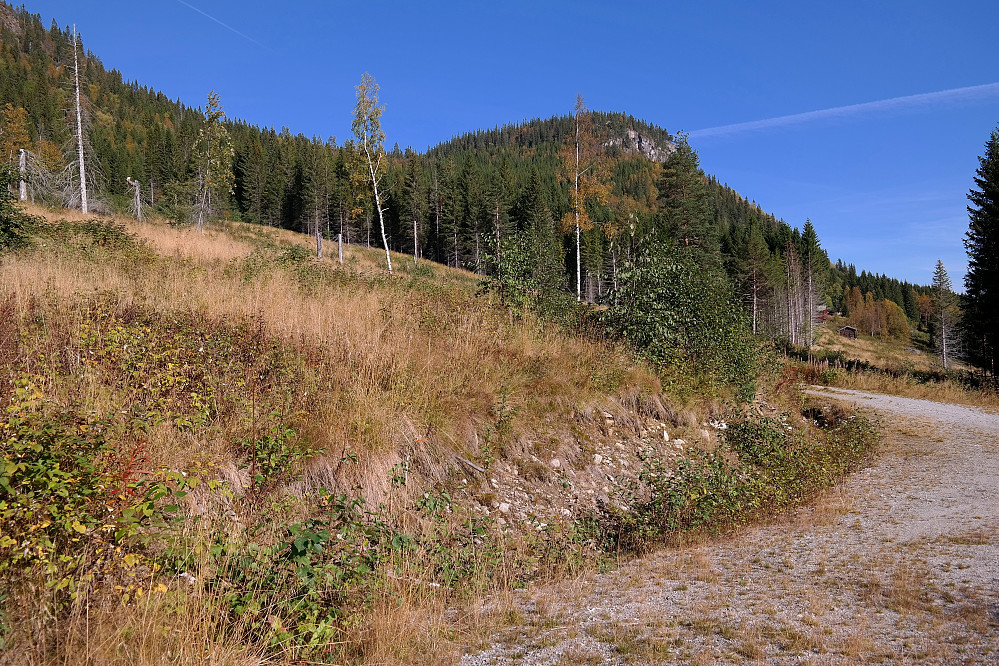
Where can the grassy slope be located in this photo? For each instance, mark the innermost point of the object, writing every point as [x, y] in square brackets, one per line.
[416, 356]
[186, 351]
[302, 386]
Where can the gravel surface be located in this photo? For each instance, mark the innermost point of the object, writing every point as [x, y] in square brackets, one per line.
[900, 564]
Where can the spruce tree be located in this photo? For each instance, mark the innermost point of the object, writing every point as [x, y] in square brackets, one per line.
[12, 218]
[945, 315]
[981, 283]
[815, 267]
[548, 273]
[755, 271]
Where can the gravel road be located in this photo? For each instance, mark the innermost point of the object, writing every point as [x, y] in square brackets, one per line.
[898, 565]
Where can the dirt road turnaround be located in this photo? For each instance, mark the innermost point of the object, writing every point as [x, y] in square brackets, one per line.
[898, 565]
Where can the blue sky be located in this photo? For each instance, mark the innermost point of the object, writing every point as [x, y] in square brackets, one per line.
[885, 183]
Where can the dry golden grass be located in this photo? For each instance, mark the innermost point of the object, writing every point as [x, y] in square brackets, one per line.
[414, 369]
[878, 352]
[403, 630]
[413, 361]
[177, 626]
[946, 391]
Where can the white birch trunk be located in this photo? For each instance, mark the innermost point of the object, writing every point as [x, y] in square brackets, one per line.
[579, 288]
[378, 204]
[84, 205]
[319, 237]
[136, 196]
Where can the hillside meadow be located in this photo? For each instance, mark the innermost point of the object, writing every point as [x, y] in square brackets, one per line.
[220, 449]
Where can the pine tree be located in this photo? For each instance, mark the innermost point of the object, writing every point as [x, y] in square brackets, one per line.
[684, 205]
[981, 283]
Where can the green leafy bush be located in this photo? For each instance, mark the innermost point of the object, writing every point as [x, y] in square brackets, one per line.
[72, 507]
[300, 591]
[683, 318]
[14, 223]
[764, 465]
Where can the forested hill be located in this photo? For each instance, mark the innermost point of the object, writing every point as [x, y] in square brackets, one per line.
[458, 203]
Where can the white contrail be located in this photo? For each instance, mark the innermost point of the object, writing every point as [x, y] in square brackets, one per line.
[227, 27]
[954, 94]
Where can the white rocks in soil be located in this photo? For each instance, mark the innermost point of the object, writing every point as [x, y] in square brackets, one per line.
[556, 463]
[597, 458]
[504, 507]
[665, 436]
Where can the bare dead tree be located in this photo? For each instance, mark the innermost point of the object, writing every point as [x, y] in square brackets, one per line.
[23, 170]
[136, 197]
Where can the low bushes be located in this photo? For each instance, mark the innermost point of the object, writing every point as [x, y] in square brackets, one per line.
[763, 466]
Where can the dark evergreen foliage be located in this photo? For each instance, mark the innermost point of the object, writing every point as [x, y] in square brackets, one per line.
[981, 282]
[12, 220]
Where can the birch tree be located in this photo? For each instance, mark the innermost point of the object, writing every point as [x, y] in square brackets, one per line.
[580, 163]
[370, 138]
[14, 135]
[84, 204]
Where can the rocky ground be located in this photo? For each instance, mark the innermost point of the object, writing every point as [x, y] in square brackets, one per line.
[898, 565]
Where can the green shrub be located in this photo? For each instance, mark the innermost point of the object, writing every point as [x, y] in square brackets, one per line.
[774, 467]
[14, 223]
[682, 317]
[73, 508]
